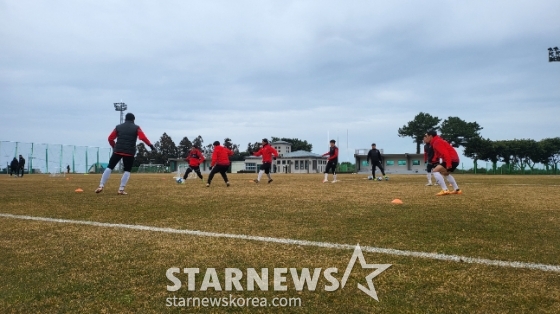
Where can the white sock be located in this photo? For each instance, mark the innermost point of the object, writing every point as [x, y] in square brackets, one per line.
[440, 181]
[334, 177]
[453, 182]
[105, 177]
[429, 178]
[260, 175]
[124, 180]
[326, 176]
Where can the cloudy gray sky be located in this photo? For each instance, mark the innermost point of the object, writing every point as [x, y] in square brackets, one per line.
[253, 69]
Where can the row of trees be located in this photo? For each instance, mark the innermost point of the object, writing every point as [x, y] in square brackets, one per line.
[166, 148]
[453, 129]
[517, 153]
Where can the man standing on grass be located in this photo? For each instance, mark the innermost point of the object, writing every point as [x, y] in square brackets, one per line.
[14, 167]
[21, 164]
[428, 159]
[450, 162]
[220, 163]
[332, 162]
[376, 161]
[268, 153]
[195, 158]
[126, 135]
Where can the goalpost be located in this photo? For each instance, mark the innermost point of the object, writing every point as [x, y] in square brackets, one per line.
[151, 168]
[58, 172]
[181, 169]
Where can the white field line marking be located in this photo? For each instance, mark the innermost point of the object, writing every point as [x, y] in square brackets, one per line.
[371, 249]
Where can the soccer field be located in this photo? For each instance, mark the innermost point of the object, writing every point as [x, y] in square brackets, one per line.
[493, 249]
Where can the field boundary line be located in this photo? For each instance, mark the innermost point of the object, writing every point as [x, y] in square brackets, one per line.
[371, 249]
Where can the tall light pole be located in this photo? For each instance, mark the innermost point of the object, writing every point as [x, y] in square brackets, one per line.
[120, 106]
[553, 54]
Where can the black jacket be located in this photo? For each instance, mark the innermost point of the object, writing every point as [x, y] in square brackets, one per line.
[374, 155]
[21, 162]
[14, 165]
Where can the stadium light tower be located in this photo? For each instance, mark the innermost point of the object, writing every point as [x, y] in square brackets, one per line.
[120, 106]
[553, 54]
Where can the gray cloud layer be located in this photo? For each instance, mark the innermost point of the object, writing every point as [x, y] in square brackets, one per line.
[253, 69]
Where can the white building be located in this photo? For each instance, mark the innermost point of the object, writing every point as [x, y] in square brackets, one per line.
[393, 163]
[289, 162]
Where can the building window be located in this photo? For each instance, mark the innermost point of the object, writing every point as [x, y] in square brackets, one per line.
[287, 149]
[390, 162]
[297, 165]
[306, 165]
[402, 163]
[251, 166]
[283, 162]
[365, 163]
[416, 162]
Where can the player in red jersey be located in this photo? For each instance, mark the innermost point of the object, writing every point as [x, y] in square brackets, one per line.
[195, 158]
[268, 153]
[124, 148]
[450, 162]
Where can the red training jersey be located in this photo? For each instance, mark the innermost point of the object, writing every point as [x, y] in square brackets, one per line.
[267, 152]
[195, 158]
[444, 150]
[220, 156]
[139, 133]
[333, 153]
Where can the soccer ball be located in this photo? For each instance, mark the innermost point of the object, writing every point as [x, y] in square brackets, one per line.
[370, 177]
[180, 181]
[379, 179]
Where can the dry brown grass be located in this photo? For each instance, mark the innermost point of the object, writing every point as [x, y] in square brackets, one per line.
[53, 267]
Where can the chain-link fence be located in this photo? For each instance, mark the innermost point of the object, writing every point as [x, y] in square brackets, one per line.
[55, 158]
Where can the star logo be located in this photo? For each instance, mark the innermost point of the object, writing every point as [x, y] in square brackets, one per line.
[370, 290]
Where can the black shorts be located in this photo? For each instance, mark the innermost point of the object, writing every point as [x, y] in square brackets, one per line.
[128, 161]
[430, 166]
[266, 167]
[331, 166]
[454, 165]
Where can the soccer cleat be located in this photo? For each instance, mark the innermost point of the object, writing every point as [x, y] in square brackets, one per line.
[227, 183]
[99, 189]
[325, 181]
[122, 192]
[429, 184]
[334, 181]
[458, 191]
[270, 180]
[256, 181]
[443, 193]
[386, 178]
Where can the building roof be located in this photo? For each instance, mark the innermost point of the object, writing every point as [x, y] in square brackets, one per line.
[282, 142]
[301, 154]
[364, 152]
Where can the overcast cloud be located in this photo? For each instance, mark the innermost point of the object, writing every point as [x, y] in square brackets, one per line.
[253, 69]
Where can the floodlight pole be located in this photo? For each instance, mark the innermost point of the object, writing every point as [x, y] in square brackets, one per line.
[553, 54]
[121, 107]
